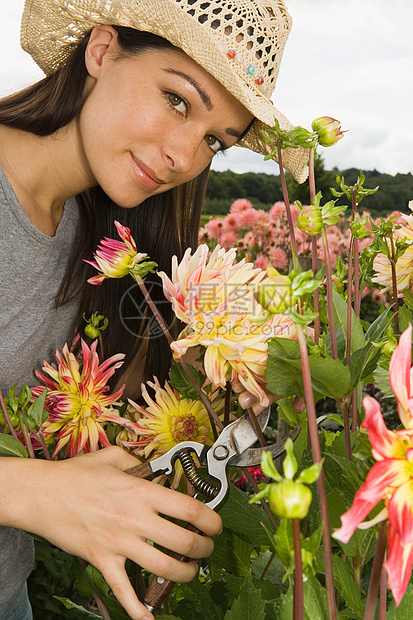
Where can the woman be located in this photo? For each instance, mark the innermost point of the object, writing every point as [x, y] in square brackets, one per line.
[138, 99]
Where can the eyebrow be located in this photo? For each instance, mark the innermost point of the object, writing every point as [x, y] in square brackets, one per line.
[204, 96]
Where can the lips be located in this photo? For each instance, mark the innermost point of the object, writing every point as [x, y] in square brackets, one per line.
[146, 175]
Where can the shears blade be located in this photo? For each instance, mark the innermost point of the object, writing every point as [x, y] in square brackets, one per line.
[252, 456]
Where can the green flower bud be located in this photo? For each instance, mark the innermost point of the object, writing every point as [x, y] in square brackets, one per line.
[328, 130]
[275, 293]
[289, 499]
[309, 220]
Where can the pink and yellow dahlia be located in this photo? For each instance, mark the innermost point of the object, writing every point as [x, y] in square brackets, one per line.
[216, 298]
[116, 259]
[168, 420]
[78, 401]
[391, 477]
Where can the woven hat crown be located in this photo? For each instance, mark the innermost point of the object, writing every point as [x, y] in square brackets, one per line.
[239, 42]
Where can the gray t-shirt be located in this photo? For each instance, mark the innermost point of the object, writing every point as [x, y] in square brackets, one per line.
[32, 266]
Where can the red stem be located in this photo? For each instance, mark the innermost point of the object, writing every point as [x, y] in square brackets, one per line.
[287, 200]
[383, 595]
[42, 442]
[375, 575]
[321, 487]
[314, 253]
[298, 604]
[356, 261]
[330, 306]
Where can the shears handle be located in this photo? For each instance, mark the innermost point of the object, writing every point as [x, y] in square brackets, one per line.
[159, 588]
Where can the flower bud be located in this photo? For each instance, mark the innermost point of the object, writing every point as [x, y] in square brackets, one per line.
[310, 220]
[275, 293]
[289, 499]
[328, 130]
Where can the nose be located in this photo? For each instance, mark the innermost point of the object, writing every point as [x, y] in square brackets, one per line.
[181, 149]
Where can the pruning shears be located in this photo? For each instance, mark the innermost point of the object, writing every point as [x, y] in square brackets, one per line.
[232, 448]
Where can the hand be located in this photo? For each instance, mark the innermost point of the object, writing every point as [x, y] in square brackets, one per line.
[250, 401]
[90, 508]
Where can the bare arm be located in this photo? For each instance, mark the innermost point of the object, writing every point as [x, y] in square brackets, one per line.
[90, 508]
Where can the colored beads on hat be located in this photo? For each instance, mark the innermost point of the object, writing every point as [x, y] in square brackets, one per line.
[245, 64]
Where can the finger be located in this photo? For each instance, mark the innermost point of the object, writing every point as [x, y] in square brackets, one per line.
[182, 541]
[188, 509]
[159, 563]
[117, 579]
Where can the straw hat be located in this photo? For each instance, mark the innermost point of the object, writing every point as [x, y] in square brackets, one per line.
[239, 42]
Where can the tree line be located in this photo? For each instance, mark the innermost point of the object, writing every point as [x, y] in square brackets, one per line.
[264, 189]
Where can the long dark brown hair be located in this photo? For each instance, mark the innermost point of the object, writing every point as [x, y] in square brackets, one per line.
[162, 226]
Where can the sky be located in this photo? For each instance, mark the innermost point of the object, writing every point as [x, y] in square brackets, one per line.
[349, 59]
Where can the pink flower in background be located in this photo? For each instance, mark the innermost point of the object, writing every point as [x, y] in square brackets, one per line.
[229, 239]
[240, 205]
[278, 257]
[231, 222]
[249, 240]
[262, 261]
[215, 227]
[247, 218]
[78, 401]
[277, 210]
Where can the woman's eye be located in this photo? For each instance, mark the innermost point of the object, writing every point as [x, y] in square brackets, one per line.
[177, 103]
[214, 144]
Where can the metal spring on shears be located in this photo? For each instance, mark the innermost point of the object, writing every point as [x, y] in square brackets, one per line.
[191, 472]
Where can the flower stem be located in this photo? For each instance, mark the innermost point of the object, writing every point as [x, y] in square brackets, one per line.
[394, 287]
[6, 415]
[383, 595]
[356, 259]
[212, 414]
[42, 442]
[314, 253]
[321, 487]
[263, 501]
[27, 440]
[375, 575]
[298, 604]
[287, 206]
[346, 423]
[227, 403]
[330, 306]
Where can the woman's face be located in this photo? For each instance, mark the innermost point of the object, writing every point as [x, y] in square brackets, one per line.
[153, 121]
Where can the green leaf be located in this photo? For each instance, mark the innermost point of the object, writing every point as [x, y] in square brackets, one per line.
[249, 605]
[11, 446]
[180, 381]
[167, 617]
[284, 372]
[381, 380]
[311, 474]
[36, 410]
[363, 361]
[344, 582]
[81, 612]
[245, 520]
[198, 594]
[99, 585]
[231, 553]
[315, 602]
[268, 466]
[405, 610]
[285, 544]
[405, 318]
[340, 317]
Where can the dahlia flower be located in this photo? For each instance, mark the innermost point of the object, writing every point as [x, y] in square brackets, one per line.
[167, 421]
[116, 259]
[216, 298]
[391, 477]
[77, 400]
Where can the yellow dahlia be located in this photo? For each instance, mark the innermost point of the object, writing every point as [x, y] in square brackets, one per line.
[167, 421]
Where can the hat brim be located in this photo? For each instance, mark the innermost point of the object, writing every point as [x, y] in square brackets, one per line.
[51, 30]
